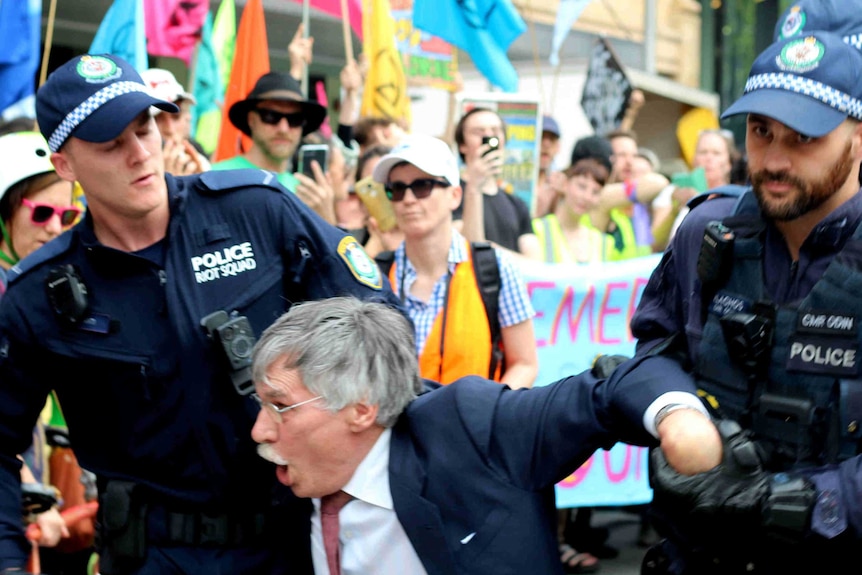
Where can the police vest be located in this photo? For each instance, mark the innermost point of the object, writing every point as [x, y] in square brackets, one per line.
[804, 399]
[453, 348]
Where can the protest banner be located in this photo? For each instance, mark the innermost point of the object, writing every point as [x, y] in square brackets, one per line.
[583, 311]
[428, 60]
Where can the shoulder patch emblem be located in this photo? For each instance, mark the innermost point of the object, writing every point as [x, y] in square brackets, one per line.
[359, 263]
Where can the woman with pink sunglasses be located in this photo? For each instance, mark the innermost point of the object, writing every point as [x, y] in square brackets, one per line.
[35, 207]
[35, 204]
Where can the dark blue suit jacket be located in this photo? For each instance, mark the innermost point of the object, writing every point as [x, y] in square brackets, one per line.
[476, 457]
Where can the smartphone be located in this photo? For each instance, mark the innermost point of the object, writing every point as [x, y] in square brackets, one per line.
[309, 152]
[374, 198]
[492, 141]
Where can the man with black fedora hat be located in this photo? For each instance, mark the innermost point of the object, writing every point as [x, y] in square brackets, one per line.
[276, 117]
[154, 299]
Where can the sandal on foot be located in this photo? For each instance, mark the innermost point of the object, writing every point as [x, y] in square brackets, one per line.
[575, 562]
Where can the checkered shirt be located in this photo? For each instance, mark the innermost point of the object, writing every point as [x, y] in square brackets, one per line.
[514, 303]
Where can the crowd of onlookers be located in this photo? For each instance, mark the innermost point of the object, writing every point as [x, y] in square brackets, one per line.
[424, 211]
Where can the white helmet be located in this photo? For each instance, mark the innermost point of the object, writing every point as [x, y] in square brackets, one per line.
[22, 155]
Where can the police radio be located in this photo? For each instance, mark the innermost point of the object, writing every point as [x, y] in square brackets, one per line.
[67, 294]
[234, 339]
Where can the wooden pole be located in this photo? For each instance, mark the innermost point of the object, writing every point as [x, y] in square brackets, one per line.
[305, 34]
[49, 38]
[345, 27]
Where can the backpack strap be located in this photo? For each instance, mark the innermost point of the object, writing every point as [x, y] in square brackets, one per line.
[488, 277]
[384, 261]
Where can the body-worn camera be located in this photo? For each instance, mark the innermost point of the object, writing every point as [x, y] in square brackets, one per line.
[67, 294]
[234, 338]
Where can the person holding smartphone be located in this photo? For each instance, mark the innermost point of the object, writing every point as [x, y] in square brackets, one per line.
[276, 117]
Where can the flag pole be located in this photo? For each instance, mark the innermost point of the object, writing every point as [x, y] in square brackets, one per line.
[49, 38]
[345, 27]
[305, 34]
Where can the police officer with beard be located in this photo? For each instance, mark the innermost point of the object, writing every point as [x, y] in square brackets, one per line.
[142, 318]
[756, 304]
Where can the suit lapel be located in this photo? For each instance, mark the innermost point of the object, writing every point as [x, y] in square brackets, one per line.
[419, 517]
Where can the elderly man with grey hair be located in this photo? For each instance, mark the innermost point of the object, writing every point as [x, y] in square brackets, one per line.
[459, 479]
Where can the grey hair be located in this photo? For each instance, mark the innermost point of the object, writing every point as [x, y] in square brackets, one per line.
[346, 350]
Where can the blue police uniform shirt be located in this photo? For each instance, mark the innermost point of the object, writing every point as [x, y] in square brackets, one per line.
[145, 394]
[671, 304]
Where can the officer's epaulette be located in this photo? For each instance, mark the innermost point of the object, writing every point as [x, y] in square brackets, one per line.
[221, 181]
[50, 250]
[728, 191]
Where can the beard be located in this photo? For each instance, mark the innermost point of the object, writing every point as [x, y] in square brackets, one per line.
[810, 194]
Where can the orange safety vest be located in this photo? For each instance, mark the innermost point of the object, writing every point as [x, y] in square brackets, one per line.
[459, 343]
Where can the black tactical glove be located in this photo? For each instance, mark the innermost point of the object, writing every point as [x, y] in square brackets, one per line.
[604, 365]
[737, 497]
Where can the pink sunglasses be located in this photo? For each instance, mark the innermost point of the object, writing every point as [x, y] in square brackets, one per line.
[41, 213]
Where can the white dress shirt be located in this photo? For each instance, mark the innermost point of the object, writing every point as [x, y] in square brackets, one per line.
[371, 538]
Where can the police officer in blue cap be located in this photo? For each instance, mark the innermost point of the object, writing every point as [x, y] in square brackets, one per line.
[142, 318]
[756, 305]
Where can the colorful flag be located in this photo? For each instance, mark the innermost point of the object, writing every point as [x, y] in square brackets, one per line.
[121, 33]
[250, 62]
[567, 13]
[224, 38]
[483, 28]
[20, 39]
[206, 88]
[333, 8]
[385, 91]
[174, 27]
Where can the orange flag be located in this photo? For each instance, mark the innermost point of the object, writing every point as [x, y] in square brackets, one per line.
[250, 62]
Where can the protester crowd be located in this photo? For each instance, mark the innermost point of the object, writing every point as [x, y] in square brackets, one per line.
[378, 255]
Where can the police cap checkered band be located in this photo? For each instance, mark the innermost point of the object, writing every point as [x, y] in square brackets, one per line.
[87, 107]
[812, 88]
[92, 98]
[808, 82]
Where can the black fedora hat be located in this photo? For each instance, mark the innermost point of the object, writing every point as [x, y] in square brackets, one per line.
[276, 86]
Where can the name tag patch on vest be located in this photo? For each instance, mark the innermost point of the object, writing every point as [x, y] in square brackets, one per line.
[826, 323]
[96, 323]
[724, 303]
[827, 356]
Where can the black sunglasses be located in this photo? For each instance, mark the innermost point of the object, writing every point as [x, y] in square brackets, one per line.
[271, 117]
[422, 188]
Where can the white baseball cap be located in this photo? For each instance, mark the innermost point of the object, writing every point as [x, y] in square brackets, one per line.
[24, 155]
[163, 85]
[429, 154]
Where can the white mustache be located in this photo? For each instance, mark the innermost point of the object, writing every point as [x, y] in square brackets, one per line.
[267, 451]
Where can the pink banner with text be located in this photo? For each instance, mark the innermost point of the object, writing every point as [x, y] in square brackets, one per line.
[583, 311]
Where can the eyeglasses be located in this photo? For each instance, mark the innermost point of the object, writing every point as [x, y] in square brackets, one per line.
[41, 214]
[422, 188]
[271, 117]
[278, 412]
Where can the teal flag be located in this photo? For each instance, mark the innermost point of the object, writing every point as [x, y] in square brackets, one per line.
[121, 33]
[207, 88]
[483, 28]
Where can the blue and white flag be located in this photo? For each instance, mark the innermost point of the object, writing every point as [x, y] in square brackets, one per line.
[567, 13]
[20, 38]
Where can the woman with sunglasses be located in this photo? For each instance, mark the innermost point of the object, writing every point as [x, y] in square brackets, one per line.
[36, 206]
